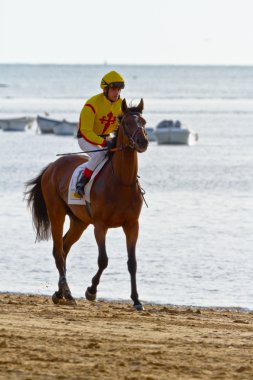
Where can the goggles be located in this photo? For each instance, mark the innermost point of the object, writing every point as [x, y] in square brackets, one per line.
[119, 85]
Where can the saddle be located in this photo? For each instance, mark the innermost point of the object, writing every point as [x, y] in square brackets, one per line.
[72, 198]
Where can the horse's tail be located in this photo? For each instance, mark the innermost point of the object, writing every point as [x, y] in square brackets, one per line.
[36, 202]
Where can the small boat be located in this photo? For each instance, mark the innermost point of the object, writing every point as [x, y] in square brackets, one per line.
[151, 135]
[17, 124]
[45, 125]
[58, 127]
[65, 128]
[170, 132]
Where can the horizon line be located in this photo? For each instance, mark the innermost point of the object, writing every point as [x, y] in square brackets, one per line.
[127, 64]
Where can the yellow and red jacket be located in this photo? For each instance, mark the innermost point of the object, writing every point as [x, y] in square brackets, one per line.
[98, 117]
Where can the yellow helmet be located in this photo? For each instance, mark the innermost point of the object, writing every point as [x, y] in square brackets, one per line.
[112, 79]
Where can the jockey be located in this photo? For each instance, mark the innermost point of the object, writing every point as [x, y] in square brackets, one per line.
[98, 119]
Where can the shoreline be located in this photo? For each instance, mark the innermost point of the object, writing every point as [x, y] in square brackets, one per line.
[235, 309]
[110, 340]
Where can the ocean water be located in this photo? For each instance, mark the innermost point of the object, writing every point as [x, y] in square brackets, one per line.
[195, 242]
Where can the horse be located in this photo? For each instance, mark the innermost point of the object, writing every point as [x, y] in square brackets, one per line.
[116, 201]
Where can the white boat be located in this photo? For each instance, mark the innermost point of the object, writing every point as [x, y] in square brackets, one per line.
[65, 128]
[45, 125]
[17, 124]
[58, 127]
[170, 132]
[151, 135]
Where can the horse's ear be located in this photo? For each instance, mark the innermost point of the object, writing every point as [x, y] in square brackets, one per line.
[124, 106]
[141, 106]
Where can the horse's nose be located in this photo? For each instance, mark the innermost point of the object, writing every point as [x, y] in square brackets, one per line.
[142, 143]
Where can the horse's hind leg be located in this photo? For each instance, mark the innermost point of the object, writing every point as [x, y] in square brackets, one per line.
[57, 217]
[73, 234]
[100, 234]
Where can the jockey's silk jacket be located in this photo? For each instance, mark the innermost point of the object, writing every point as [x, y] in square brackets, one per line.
[98, 117]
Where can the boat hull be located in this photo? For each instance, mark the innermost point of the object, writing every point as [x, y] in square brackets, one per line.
[15, 125]
[172, 136]
[58, 127]
[65, 128]
[46, 125]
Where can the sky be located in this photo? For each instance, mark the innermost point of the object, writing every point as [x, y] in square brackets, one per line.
[127, 32]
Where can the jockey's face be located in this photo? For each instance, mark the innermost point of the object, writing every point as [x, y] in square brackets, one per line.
[113, 93]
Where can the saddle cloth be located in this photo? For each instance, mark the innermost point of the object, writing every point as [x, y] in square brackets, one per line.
[72, 199]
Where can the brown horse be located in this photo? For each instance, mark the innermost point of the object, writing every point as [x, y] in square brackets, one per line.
[116, 201]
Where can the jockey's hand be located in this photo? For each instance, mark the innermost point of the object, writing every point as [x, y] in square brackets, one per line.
[110, 144]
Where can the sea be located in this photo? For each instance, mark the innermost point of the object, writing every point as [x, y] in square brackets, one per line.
[195, 246]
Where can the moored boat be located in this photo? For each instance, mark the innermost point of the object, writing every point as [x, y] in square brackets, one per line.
[17, 124]
[170, 132]
[58, 127]
[65, 128]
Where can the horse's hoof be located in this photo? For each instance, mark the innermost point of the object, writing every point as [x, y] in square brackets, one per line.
[139, 307]
[67, 302]
[56, 298]
[90, 296]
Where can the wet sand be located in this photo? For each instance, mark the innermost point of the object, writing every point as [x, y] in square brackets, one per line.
[102, 340]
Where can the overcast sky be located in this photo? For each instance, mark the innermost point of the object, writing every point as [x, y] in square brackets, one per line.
[126, 32]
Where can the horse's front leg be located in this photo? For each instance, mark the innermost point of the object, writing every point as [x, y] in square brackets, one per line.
[100, 234]
[131, 230]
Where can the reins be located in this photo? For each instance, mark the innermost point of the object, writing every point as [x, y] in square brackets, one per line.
[89, 151]
[130, 139]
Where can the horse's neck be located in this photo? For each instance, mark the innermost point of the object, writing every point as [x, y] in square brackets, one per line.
[125, 163]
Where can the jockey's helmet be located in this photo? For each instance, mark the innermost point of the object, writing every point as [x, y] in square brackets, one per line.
[112, 79]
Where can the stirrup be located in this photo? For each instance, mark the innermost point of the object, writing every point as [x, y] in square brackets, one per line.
[80, 185]
[79, 192]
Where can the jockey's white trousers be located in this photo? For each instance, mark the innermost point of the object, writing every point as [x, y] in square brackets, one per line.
[95, 157]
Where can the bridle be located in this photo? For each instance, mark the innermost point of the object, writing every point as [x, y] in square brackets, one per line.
[131, 142]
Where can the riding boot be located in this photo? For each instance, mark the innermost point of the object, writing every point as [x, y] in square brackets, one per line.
[82, 181]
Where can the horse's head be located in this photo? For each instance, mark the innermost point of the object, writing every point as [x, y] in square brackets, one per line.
[133, 125]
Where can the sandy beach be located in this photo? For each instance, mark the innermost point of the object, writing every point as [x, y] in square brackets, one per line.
[102, 340]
